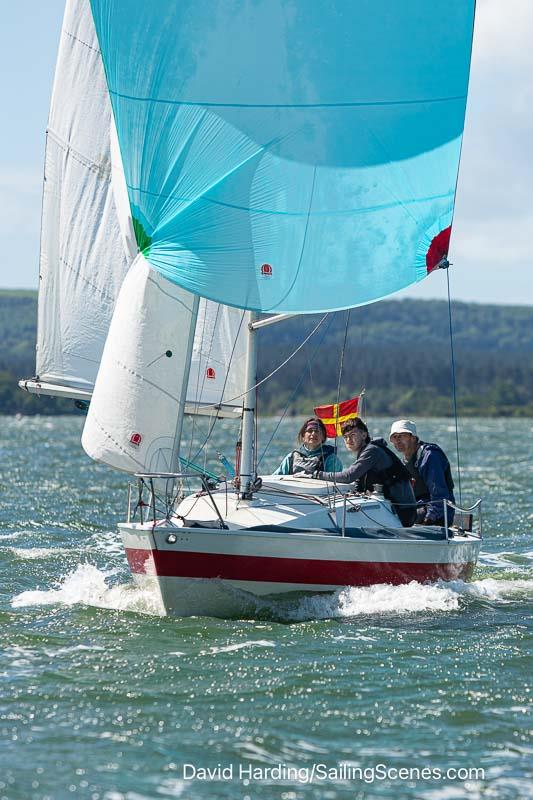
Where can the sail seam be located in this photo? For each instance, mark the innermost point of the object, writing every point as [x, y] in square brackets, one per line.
[102, 169]
[251, 209]
[117, 444]
[168, 294]
[304, 242]
[68, 352]
[102, 292]
[146, 380]
[80, 41]
[357, 104]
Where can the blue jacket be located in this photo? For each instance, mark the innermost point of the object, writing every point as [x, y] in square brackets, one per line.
[433, 481]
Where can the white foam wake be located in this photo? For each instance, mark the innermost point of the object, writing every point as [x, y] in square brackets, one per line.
[88, 586]
[386, 599]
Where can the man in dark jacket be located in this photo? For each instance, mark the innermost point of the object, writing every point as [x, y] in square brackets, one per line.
[375, 464]
[430, 472]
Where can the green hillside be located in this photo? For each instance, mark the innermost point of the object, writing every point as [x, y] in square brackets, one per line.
[398, 350]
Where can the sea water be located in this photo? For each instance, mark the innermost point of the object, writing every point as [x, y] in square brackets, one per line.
[404, 692]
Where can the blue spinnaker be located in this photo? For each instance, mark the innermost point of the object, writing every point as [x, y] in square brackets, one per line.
[289, 156]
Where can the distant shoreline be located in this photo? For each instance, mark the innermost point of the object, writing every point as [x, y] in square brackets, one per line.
[398, 350]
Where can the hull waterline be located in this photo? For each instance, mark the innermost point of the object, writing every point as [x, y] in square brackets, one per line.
[216, 572]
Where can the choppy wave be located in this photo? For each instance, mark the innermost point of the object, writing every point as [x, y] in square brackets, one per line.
[34, 553]
[230, 648]
[405, 599]
[89, 586]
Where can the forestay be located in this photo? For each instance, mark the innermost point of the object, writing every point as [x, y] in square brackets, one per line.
[295, 156]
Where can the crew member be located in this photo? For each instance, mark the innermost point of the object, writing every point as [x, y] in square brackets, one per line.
[375, 464]
[313, 453]
[430, 471]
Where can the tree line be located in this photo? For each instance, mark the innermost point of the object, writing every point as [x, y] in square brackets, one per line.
[399, 351]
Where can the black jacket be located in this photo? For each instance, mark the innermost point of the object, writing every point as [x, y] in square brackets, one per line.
[377, 464]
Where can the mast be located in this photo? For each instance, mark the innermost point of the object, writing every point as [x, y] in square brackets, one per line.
[175, 456]
[248, 414]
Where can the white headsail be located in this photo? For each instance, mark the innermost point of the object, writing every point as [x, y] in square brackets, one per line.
[138, 401]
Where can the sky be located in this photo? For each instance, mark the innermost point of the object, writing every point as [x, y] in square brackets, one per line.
[492, 242]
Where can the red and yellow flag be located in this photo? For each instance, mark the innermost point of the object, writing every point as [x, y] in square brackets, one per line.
[334, 415]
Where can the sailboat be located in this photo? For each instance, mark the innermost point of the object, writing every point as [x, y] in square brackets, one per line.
[211, 171]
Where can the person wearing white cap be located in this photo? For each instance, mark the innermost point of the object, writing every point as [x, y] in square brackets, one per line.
[430, 471]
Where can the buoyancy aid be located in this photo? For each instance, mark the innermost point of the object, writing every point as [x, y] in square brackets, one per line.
[395, 473]
[396, 483]
[300, 462]
[419, 485]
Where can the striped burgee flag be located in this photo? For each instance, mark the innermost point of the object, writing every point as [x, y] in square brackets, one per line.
[335, 414]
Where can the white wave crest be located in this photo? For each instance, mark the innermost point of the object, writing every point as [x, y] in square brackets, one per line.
[230, 648]
[387, 599]
[39, 552]
[88, 586]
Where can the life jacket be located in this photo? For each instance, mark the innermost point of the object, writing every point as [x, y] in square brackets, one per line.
[396, 482]
[395, 473]
[419, 485]
[302, 463]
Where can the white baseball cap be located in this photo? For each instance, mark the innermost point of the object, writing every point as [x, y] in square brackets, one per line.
[403, 426]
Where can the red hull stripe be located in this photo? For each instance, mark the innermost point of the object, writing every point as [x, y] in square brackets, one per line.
[166, 563]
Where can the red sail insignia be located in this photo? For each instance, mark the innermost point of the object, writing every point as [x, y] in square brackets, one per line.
[438, 249]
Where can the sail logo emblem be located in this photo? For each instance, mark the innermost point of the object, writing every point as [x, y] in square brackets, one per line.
[136, 439]
[266, 270]
[210, 373]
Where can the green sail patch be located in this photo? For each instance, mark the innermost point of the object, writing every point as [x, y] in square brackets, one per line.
[144, 241]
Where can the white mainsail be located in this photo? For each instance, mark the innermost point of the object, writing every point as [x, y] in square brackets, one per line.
[83, 260]
[88, 243]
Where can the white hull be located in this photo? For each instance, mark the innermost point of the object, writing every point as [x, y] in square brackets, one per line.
[298, 548]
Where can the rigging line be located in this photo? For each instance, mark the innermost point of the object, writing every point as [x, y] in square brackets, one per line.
[199, 393]
[454, 387]
[214, 405]
[343, 351]
[313, 392]
[280, 366]
[294, 393]
[341, 367]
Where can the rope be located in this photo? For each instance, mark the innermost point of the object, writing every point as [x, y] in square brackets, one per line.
[454, 386]
[341, 367]
[343, 351]
[283, 363]
[214, 419]
[232, 399]
[295, 391]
